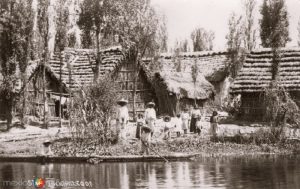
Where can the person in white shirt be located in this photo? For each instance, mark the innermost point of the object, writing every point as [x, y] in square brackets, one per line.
[185, 117]
[167, 127]
[150, 116]
[178, 125]
[122, 117]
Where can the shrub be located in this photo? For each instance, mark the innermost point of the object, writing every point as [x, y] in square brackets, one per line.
[91, 114]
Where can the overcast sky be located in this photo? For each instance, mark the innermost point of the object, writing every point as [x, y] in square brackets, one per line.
[185, 15]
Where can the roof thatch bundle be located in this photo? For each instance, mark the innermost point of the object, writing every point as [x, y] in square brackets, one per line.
[182, 84]
[256, 73]
[211, 64]
[78, 64]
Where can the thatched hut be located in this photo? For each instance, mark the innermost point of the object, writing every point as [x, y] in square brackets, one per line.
[174, 84]
[256, 75]
[78, 73]
[176, 90]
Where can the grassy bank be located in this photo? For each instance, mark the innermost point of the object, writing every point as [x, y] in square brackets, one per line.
[187, 145]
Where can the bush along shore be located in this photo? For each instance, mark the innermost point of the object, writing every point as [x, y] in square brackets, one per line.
[257, 143]
[231, 140]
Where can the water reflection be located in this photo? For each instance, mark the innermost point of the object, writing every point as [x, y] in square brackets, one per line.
[225, 172]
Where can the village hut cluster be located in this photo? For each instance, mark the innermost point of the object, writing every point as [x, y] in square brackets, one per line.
[171, 85]
[256, 76]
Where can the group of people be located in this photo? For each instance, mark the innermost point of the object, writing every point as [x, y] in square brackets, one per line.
[187, 120]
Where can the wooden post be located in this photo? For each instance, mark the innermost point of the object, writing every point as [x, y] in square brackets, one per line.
[135, 71]
[60, 88]
[44, 93]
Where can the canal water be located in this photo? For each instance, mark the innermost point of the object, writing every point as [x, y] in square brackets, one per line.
[223, 172]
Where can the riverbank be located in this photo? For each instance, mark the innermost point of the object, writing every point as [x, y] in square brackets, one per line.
[28, 143]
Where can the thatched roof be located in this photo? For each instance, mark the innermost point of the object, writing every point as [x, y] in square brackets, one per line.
[211, 64]
[182, 84]
[82, 62]
[256, 73]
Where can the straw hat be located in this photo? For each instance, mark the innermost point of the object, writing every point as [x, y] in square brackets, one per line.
[151, 104]
[122, 101]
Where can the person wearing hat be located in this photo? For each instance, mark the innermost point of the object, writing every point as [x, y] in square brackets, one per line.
[150, 116]
[122, 117]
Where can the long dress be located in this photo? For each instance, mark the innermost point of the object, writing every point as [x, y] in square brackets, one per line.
[122, 120]
[185, 117]
[195, 114]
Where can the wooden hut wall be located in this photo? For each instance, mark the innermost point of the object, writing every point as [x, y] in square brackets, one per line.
[166, 101]
[252, 106]
[125, 82]
[36, 98]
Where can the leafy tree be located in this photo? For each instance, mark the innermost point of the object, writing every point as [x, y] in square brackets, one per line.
[195, 73]
[234, 44]
[43, 48]
[274, 24]
[202, 39]
[162, 36]
[61, 40]
[137, 24]
[249, 30]
[16, 24]
[94, 21]
[181, 46]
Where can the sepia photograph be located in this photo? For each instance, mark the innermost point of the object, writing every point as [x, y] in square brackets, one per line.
[125, 94]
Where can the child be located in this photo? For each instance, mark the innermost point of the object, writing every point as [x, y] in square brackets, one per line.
[139, 123]
[214, 124]
[199, 125]
[178, 124]
[167, 127]
[145, 139]
[185, 117]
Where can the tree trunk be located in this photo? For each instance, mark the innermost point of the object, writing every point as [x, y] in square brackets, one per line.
[60, 87]
[70, 102]
[9, 112]
[135, 70]
[98, 57]
[44, 95]
[23, 111]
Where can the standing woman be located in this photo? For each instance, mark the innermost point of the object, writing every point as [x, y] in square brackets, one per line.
[214, 124]
[195, 113]
[150, 116]
[185, 118]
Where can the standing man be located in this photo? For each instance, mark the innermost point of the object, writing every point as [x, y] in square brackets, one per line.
[122, 118]
[150, 116]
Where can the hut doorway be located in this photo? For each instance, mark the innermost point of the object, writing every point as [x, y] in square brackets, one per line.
[57, 109]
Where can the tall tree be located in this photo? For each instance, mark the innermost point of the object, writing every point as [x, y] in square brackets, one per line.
[202, 39]
[181, 46]
[94, 21]
[137, 25]
[234, 44]
[162, 36]
[61, 41]
[274, 24]
[43, 32]
[249, 30]
[16, 25]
